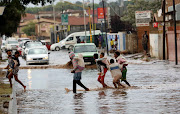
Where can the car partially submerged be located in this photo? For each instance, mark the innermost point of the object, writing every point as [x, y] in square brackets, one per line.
[87, 50]
[37, 55]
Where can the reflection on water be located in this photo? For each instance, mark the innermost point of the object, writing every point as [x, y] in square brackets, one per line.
[29, 78]
[78, 103]
[155, 90]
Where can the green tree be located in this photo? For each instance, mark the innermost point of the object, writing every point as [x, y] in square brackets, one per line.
[29, 29]
[139, 5]
[11, 17]
[60, 6]
[118, 25]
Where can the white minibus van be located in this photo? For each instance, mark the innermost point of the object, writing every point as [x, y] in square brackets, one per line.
[72, 39]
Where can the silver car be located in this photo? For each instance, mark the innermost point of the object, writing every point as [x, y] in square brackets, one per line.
[37, 55]
[29, 45]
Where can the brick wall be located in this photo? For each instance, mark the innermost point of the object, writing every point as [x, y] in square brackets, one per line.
[140, 34]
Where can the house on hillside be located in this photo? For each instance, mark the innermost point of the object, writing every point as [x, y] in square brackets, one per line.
[42, 27]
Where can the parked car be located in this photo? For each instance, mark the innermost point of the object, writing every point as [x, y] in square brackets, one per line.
[71, 40]
[21, 45]
[37, 55]
[23, 39]
[87, 50]
[11, 44]
[47, 43]
[29, 45]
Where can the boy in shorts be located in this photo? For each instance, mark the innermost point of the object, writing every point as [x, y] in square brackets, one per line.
[115, 70]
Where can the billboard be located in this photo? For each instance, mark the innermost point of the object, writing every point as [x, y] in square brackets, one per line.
[100, 15]
[143, 18]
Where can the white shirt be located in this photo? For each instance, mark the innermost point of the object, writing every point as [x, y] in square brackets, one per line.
[115, 70]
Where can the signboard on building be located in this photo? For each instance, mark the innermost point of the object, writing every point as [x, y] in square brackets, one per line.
[155, 25]
[2, 10]
[64, 19]
[143, 18]
[100, 13]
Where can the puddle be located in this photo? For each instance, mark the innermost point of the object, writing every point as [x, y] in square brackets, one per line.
[155, 89]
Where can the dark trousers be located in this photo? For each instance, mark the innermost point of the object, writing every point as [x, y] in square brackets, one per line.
[79, 83]
[126, 82]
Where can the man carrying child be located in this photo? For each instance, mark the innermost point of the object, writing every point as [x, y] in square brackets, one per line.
[122, 61]
[78, 68]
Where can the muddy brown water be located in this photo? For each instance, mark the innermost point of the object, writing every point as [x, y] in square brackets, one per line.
[155, 89]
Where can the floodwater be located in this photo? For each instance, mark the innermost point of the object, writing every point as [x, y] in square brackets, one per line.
[155, 89]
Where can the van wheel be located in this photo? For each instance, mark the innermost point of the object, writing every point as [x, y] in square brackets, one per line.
[57, 48]
[71, 47]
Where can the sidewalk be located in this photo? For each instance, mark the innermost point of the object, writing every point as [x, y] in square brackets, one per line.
[137, 58]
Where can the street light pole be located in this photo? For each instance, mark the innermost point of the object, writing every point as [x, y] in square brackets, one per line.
[38, 26]
[54, 22]
[175, 33]
[93, 22]
[164, 29]
[105, 27]
[84, 21]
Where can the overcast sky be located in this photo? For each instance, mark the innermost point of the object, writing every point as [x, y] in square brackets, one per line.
[96, 1]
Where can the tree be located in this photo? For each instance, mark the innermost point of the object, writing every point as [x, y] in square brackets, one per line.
[11, 17]
[29, 29]
[139, 5]
[118, 25]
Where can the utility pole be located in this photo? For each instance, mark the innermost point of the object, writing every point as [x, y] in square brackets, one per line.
[38, 17]
[164, 29]
[90, 24]
[54, 23]
[84, 21]
[175, 33]
[93, 21]
[105, 27]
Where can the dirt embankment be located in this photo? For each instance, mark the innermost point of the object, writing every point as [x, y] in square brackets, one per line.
[65, 66]
[5, 92]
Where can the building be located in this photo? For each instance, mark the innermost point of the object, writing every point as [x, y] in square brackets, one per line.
[42, 27]
[170, 40]
[170, 29]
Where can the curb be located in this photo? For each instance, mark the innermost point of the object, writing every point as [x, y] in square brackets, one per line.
[13, 103]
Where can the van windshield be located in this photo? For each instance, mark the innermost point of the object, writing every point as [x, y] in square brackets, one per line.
[85, 48]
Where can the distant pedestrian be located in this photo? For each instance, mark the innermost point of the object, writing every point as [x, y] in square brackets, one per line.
[77, 70]
[15, 69]
[123, 62]
[96, 41]
[82, 41]
[112, 44]
[115, 42]
[145, 39]
[100, 41]
[78, 39]
[115, 70]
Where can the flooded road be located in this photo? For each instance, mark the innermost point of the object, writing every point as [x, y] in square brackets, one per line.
[155, 89]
